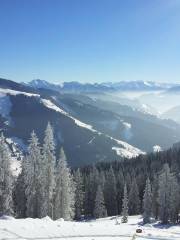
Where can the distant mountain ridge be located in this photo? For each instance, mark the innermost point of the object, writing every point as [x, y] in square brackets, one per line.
[74, 86]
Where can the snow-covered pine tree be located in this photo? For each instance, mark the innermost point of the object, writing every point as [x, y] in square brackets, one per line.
[6, 179]
[99, 209]
[125, 206]
[33, 178]
[120, 189]
[111, 193]
[174, 200]
[134, 201]
[147, 202]
[101, 180]
[91, 184]
[155, 204]
[64, 190]
[19, 193]
[164, 194]
[168, 196]
[48, 168]
[79, 194]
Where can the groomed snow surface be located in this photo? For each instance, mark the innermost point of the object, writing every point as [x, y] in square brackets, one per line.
[43, 229]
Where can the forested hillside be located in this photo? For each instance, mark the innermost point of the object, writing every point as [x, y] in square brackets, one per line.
[156, 172]
[148, 185]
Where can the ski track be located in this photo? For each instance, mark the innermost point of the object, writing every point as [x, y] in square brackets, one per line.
[14, 236]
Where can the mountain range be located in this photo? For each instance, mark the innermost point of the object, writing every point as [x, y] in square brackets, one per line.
[74, 86]
[91, 126]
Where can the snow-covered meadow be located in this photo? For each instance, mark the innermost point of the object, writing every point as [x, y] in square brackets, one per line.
[106, 228]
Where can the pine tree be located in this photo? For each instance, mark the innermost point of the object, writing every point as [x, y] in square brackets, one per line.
[111, 193]
[33, 178]
[79, 194]
[48, 169]
[91, 184]
[99, 209]
[155, 204]
[120, 189]
[6, 179]
[174, 200]
[134, 201]
[19, 194]
[147, 202]
[64, 190]
[168, 196]
[125, 206]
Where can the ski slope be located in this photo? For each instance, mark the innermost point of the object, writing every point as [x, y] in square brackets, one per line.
[44, 229]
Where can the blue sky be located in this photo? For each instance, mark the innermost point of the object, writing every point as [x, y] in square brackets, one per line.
[90, 40]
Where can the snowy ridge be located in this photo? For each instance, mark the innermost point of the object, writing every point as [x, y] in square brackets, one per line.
[124, 150]
[5, 91]
[51, 105]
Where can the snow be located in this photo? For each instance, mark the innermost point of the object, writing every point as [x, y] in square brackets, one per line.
[106, 228]
[16, 156]
[51, 105]
[4, 91]
[15, 167]
[126, 150]
[91, 140]
[157, 148]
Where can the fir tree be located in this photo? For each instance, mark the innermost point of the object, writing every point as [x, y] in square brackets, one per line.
[6, 179]
[79, 194]
[147, 202]
[155, 205]
[168, 196]
[125, 206]
[120, 189]
[19, 194]
[33, 178]
[91, 184]
[99, 209]
[64, 190]
[134, 201]
[111, 193]
[174, 199]
[48, 169]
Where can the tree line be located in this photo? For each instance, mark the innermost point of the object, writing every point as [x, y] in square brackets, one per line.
[46, 186]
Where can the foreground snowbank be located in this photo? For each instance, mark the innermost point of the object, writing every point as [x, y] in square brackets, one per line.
[107, 228]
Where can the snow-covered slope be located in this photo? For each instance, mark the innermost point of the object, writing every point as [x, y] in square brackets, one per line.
[102, 229]
[124, 149]
[51, 105]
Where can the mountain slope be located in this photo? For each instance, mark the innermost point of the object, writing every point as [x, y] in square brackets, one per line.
[82, 143]
[141, 130]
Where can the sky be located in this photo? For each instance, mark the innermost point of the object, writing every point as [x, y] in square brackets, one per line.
[90, 40]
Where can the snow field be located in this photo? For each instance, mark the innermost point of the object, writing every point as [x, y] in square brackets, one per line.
[43, 229]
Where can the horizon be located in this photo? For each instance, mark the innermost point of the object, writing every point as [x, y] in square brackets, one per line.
[82, 82]
[90, 41]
